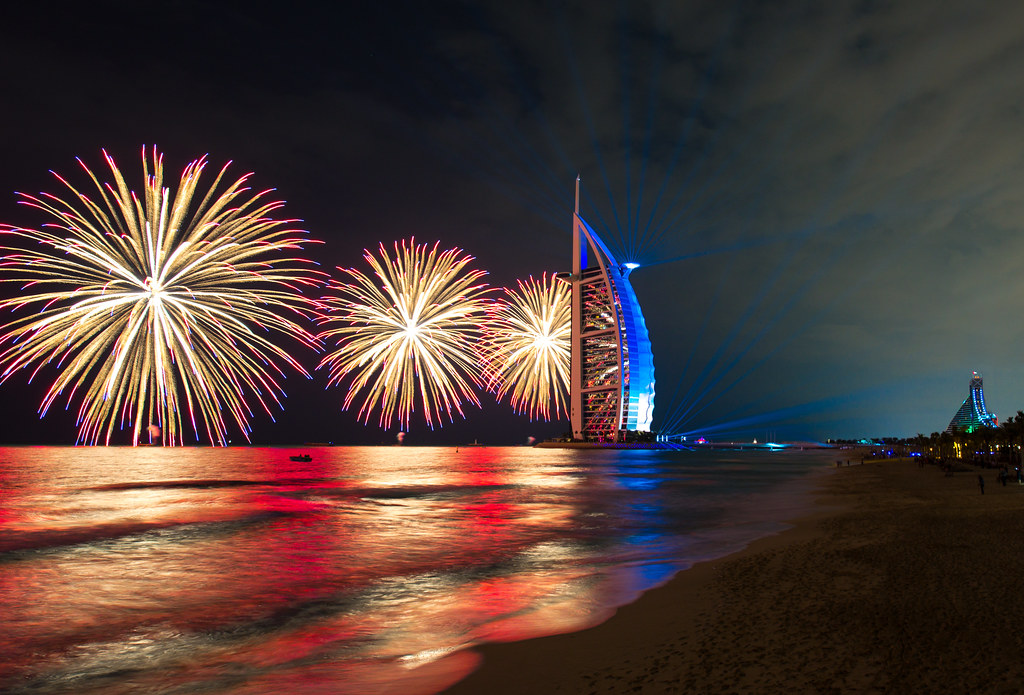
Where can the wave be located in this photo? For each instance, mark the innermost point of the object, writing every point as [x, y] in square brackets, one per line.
[15, 544]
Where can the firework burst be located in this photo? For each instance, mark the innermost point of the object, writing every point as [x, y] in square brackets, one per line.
[156, 311]
[409, 334]
[528, 348]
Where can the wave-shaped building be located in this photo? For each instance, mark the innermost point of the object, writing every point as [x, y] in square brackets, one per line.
[611, 389]
[973, 413]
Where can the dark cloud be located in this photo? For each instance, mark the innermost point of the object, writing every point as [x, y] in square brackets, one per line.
[839, 181]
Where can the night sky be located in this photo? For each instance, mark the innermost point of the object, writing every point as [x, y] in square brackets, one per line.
[825, 197]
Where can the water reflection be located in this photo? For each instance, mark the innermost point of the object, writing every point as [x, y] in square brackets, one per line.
[239, 570]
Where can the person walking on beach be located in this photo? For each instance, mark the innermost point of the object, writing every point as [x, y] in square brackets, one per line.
[981, 483]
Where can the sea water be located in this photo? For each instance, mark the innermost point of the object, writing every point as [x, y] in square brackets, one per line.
[365, 570]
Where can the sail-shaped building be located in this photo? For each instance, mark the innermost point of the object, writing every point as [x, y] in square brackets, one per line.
[611, 388]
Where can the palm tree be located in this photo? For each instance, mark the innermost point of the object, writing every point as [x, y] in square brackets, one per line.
[1013, 429]
[947, 443]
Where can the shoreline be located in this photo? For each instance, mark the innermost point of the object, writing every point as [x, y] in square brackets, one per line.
[901, 580]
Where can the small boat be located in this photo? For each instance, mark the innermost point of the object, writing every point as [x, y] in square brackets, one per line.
[301, 457]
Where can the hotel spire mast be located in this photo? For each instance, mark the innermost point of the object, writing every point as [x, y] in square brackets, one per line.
[575, 363]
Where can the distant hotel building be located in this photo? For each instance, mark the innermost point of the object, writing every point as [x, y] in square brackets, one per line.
[973, 413]
[611, 387]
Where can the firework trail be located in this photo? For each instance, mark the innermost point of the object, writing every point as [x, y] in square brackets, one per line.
[528, 347]
[408, 335]
[155, 310]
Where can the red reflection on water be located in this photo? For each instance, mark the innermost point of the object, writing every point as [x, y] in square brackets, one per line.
[353, 571]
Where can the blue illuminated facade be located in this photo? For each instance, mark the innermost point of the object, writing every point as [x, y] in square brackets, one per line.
[612, 368]
[973, 413]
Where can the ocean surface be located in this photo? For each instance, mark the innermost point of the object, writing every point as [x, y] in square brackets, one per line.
[365, 570]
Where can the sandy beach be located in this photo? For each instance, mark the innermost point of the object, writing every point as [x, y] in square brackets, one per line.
[903, 581]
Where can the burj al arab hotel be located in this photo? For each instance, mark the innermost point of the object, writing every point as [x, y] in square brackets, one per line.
[611, 377]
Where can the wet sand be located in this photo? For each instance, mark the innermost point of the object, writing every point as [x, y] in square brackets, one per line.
[904, 581]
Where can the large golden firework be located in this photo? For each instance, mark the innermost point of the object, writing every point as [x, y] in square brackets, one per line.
[157, 311]
[528, 347]
[409, 334]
